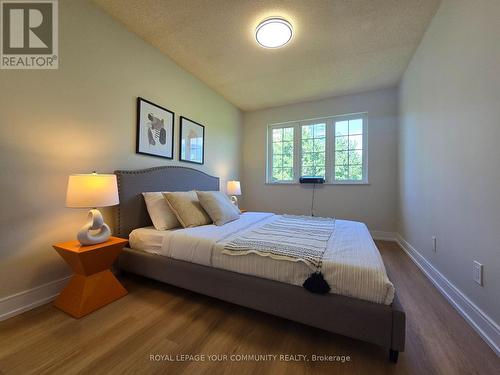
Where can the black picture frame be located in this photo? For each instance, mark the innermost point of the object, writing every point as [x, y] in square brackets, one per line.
[184, 121]
[156, 136]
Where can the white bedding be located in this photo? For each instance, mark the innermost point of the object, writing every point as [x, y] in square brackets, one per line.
[352, 264]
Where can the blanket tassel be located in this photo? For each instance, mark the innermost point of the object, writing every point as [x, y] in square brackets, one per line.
[316, 283]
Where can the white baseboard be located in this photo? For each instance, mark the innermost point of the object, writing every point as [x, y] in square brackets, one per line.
[29, 299]
[383, 236]
[477, 319]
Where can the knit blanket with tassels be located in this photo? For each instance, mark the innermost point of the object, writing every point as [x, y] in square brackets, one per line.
[293, 238]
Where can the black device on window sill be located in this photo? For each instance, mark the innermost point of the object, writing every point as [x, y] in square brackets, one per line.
[311, 180]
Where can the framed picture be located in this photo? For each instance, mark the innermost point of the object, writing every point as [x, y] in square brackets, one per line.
[192, 141]
[155, 130]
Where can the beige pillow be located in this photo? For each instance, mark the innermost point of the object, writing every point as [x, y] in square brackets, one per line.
[187, 208]
[160, 213]
[218, 206]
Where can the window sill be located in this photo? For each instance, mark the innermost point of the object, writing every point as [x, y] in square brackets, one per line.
[326, 183]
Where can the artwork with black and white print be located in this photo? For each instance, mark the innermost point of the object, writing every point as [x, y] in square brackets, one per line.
[155, 129]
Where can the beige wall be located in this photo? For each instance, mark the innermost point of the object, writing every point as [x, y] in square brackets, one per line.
[374, 204]
[80, 118]
[449, 147]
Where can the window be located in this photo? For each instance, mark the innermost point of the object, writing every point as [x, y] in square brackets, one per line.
[282, 151]
[349, 150]
[313, 149]
[333, 148]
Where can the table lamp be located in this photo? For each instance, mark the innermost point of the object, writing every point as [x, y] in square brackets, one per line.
[92, 191]
[234, 189]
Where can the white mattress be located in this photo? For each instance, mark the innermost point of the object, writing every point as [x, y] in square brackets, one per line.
[352, 264]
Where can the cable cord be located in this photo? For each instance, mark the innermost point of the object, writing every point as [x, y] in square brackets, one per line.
[312, 200]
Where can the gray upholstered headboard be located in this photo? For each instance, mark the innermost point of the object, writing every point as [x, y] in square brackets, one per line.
[132, 212]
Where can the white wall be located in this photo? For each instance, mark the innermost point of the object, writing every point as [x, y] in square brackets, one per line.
[80, 118]
[374, 204]
[449, 147]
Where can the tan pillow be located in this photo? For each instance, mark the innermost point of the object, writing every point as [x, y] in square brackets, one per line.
[160, 213]
[218, 206]
[187, 208]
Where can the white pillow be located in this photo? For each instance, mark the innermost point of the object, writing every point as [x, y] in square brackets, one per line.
[160, 213]
[218, 206]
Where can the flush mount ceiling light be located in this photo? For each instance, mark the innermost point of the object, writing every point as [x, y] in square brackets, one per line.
[273, 32]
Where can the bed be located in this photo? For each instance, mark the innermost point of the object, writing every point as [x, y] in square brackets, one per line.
[183, 258]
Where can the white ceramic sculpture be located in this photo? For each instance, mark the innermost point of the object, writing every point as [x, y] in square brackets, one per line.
[95, 221]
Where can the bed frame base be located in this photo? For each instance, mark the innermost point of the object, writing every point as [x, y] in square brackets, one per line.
[371, 322]
[393, 356]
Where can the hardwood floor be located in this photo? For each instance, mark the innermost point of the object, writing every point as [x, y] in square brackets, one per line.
[160, 319]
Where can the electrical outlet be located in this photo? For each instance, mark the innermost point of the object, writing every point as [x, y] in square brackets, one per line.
[434, 244]
[478, 272]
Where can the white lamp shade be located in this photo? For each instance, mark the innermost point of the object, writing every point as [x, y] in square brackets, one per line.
[92, 190]
[233, 188]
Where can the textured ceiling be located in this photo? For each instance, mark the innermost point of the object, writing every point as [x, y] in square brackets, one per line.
[339, 46]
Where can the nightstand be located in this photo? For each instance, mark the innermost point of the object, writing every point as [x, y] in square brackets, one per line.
[93, 285]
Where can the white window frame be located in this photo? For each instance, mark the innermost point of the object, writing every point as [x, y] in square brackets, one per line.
[330, 149]
[364, 163]
[300, 124]
[269, 169]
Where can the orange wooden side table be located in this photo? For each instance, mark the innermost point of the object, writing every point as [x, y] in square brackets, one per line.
[93, 285]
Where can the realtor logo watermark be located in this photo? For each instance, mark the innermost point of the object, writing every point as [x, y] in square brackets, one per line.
[29, 37]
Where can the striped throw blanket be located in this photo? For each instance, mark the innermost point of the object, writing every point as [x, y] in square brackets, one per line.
[293, 238]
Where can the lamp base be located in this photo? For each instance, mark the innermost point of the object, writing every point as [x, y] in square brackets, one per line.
[95, 221]
[234, 199]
